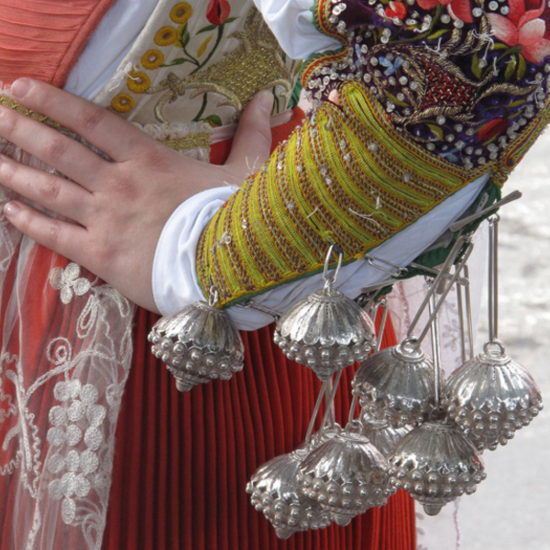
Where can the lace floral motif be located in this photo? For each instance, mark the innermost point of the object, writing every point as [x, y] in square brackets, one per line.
[68, 282]
[79, 421]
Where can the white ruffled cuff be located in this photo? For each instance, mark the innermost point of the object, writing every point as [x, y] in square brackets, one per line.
[175, 281]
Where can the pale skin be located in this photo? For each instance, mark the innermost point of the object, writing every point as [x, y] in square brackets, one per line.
[118, 208]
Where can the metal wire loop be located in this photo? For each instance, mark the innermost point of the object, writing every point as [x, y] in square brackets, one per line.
[399, 270]
[489, 348]
[331, 279]
[213, 297]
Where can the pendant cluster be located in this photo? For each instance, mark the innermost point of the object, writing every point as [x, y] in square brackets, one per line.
[416, 431]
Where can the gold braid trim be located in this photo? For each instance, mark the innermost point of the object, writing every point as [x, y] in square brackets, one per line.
[15, 106]
[186, 143]
[192, 141]
[347, 177]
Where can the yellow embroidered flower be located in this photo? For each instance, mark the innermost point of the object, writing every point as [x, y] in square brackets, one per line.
[138, 82]
[166, 36]
[152, 59]
[181, 13]
[123, 103]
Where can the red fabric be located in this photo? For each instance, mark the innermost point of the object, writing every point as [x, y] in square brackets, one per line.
[182, 461]
[42, 39]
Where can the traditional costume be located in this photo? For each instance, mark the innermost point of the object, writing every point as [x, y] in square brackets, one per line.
[434, 100]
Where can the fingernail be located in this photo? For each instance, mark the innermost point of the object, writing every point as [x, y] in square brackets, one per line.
[265, 99]
[11, 209]
[20, 88]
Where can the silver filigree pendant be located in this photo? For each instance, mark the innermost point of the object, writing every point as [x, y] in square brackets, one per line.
[326, 331]
[274, 491]
[345, 476]
[397, 385]
[436, 464]
[198, 343]
[491, 397]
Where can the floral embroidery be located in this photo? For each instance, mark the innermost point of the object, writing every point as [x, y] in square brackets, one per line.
[166, 36]
[466, 79]
[194, 39]
[152, 59]
[181, 13]
[524, 28]
[396, 9]
[80, 418]
[69, 282]
[138, 82]
[230, 77]
[218, 11]
[457, 9]
[123, 103]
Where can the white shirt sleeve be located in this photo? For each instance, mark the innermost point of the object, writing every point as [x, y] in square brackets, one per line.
[291, 21]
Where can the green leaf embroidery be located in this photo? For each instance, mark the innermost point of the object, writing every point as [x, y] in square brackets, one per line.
[476, 69]
[206, 29]
[437, 131]
[185, 37]
[395, 100]
[179, 61]
[516, 103]
[522, 67]
[437, 34]
[510, 68]
[213, 120]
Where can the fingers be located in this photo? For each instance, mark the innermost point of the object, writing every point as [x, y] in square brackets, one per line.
[97, 125]
[252, 142]
[52, 192]
[52, 147]
[62, 237]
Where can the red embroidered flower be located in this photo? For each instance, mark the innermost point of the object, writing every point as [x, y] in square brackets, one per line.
[458, 9]
[492, 129]
[523, 27]
[396, 9]
[218, 11]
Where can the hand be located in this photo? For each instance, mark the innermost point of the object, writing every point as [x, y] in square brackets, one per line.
[118, 208]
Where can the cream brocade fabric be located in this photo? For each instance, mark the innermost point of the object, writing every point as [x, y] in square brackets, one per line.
[60, 391]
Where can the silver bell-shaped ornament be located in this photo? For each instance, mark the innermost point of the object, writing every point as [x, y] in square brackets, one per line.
[382, 434]
[327, 331]
[396, 384]
[436, 464]
[345, 476]
[491, 396]
[274, 491]
[198, 343]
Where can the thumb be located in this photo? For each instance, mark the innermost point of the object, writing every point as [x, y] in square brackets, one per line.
[252, 143]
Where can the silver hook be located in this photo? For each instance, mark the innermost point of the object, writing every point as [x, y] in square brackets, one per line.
[331, 279]
[214, 297]
[370, 259]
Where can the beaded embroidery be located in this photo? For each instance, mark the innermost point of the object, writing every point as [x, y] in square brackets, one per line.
[455, 77]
